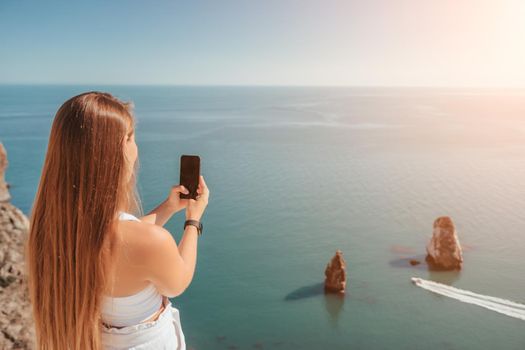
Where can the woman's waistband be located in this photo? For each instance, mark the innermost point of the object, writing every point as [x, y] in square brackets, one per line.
[140, 333]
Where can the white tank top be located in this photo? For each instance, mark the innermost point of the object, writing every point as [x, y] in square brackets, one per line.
[132, 309]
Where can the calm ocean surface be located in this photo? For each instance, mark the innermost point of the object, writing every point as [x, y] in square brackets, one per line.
[296, 173]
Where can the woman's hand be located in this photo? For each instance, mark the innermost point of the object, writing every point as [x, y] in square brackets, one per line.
[174, 201]
[196, 207]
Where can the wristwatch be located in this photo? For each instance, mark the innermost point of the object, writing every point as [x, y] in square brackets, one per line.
[195, 223]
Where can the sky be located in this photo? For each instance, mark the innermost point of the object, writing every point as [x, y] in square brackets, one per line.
[465, 43]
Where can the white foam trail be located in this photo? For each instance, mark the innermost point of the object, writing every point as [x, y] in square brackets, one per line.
[503, 306]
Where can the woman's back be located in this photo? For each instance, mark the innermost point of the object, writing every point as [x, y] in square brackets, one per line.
[128, 276]
[127, 320]
[131, 308]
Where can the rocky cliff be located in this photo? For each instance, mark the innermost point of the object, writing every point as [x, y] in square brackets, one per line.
[16, 324]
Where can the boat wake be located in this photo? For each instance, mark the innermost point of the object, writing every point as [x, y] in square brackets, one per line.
[503, 306]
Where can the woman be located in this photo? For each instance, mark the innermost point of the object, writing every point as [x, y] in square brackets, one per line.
[99, 277]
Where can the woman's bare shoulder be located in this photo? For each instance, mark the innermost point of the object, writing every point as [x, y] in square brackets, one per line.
[142, 239]
[154, 255]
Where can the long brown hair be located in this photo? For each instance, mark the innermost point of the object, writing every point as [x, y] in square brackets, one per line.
[85, 180]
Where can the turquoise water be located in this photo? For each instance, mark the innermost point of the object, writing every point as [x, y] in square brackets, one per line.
[296, 173]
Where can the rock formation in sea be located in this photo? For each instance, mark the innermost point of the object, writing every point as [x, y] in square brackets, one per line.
[16, 324]
[335, 274]
[444, 251]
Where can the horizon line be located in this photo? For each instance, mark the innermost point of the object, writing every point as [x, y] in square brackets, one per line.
[268, 85]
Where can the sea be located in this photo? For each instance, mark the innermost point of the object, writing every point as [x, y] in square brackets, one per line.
[297, 173]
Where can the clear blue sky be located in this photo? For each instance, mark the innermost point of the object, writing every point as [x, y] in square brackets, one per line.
[268, 42]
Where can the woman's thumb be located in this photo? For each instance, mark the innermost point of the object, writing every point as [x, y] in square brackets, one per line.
[181, 188]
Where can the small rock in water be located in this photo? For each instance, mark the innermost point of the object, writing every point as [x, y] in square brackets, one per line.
[335, 274]
[414, 262]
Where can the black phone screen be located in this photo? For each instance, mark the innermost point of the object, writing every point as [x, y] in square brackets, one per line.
[189, 175]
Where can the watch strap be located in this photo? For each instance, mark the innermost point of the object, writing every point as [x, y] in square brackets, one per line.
[195, 223]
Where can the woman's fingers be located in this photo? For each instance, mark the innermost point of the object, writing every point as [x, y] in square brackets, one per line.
[202, 182]
[180, 188]
[204, 186]
[202, 189]
[205, 193]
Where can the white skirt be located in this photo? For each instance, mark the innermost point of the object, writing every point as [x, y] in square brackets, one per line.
[162, 334]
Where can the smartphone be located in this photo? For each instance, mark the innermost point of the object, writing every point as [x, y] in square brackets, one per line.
[189, 175]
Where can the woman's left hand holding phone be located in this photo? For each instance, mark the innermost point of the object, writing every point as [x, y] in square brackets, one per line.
[174, 201]
[163, 212]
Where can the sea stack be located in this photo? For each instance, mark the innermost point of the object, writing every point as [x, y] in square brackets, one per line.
[443, 250]
[16, 323]
[335, 274]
